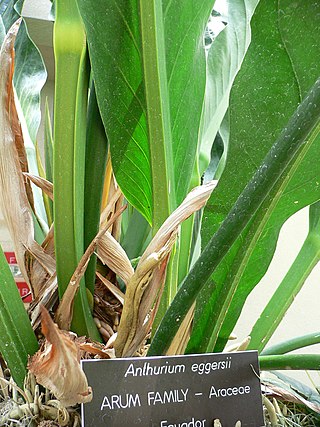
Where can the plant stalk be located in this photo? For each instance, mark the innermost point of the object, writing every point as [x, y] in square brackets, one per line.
[293, 344]
[69, 155]
[310, 362]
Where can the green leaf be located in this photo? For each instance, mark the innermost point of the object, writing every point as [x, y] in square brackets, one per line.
[29, 77]
[224, 61]
[266, 91]
[136, 235]
[8, 13]
[307, 258]
[149, 71]
[17, 339]
[184, 25]
[122, 51]
[279, 159]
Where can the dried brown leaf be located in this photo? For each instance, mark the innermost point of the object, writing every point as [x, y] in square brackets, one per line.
[44, 185]
[13, 198]
[110, 208]
[145, 287]
[111, 253]
[48, 243]
[57, 365]
[112, 288]
[289, 390]
[47, 297]
[97, 349]
[41, 265]
[116, 227]
[15, 193]
[194, 201]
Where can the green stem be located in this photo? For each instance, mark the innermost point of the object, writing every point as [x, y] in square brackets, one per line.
[293, 344]
[96, 161]
[284, 296]
[69, 154]
[290, 362]
[48, 152]
[285, 149]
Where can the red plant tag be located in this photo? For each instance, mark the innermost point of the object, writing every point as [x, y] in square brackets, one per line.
[24, 291]
[11, 258]
[22, 285]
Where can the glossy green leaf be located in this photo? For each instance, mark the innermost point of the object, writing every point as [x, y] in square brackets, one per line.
[17, 339]
[266, 92]
[119, 50]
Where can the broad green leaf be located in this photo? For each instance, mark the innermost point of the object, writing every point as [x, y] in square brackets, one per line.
[17, 339]
[266, 92]
[272, 172]
[120, 50]
[225, 57]
[115, 53]
[185, 23]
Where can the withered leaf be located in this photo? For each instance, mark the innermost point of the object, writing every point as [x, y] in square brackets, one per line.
[57, 365]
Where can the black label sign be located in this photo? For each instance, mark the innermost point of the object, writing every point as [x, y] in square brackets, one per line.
[175, 391]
